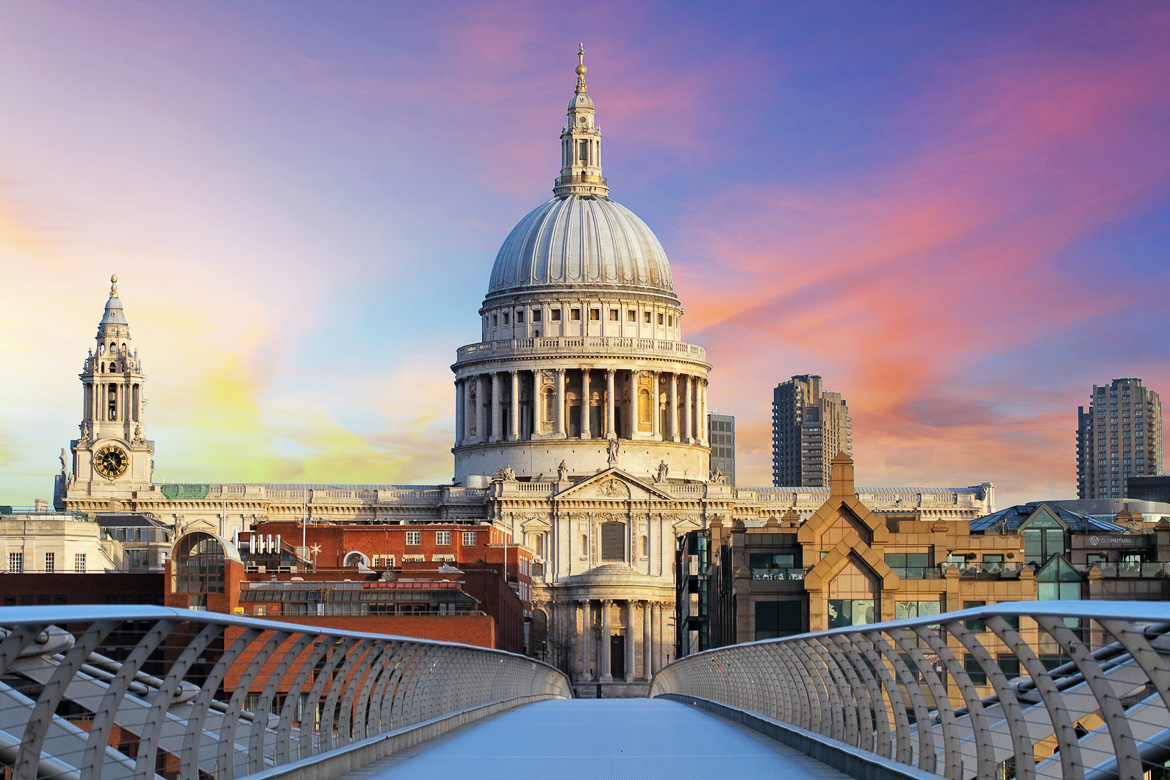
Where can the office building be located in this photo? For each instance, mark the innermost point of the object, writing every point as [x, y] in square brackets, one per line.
[810, 426]
[721, 434]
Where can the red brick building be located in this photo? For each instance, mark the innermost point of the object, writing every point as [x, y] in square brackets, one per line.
[448, 582]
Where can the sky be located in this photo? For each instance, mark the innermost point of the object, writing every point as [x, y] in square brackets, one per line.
[957, 213]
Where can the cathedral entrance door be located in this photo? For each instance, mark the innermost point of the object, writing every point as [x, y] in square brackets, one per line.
[617, 656]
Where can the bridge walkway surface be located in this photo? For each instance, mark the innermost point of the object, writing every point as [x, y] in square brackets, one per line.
[635, 738]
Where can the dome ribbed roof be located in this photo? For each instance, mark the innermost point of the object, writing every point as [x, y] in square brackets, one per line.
[578, 240]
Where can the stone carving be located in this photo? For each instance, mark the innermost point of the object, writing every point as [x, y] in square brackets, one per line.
[84, 434]
[614, 488]
[138, 438]
[562, 472]
[717, 477]
[508, 473]
[611, 451]
[663, 470]
[63, 469]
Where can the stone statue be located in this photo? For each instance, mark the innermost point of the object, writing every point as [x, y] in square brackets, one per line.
[717, 476]
[611, 451]
[64, 470]
[562, 472]
[509, 474]
[663, 470]
[85, 433]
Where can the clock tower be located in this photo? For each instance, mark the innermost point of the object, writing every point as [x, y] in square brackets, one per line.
[112, 457]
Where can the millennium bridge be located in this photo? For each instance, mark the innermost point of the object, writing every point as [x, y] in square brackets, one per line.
[1021, 690]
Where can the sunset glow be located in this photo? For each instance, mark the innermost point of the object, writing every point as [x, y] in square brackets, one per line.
[957, 214]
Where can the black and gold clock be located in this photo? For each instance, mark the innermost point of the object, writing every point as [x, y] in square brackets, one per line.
[111, 461]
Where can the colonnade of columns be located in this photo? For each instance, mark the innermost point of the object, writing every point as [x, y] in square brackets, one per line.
[677, 407]
[645, 639]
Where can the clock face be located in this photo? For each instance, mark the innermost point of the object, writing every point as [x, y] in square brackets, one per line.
[111, 461]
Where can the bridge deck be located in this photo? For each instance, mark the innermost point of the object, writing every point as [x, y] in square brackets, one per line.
[643, 738]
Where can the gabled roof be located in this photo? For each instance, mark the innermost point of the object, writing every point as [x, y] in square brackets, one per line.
[1013, 517]
[614, 483]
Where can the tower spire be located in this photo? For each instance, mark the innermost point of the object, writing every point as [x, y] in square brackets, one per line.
[581, 143]
[581, 68]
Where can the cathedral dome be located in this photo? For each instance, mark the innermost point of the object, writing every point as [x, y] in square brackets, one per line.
[580, 240]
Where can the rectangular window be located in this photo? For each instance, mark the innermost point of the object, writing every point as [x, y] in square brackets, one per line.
[575, 315]
[15, 563]
[536, 315]
[519, 318]
[554, 315]
[79, 563]
[613, 315]
[974, 670]
[660, 319]
[648, 316]
[1009, 665]
[505, 318]
[974, 625]
[442, 537]
[595, 315]
[469, 539]
[670, 321]
[904, 610]
[50, 562]
[850, 612]
[414, 537]
[777, 618]
[631, 316]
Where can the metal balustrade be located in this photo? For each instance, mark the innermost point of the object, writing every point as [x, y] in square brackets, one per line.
[1025, 689]
[121, 692]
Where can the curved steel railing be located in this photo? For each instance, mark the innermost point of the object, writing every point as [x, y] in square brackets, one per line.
[1023, 689]
[121, 692]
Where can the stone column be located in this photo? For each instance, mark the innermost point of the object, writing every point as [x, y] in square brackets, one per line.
[689, 414]
[633, 404]
[514, 423]
[655, 635]
[647, 671]
[702, 412]
[480, 424]
[497, 409]
[609, 400]
[536, 402]
[586, 626]
[606, 675]
[585, 432]
[630, 634]
[655, 424]
[460, 414]
[560, 410]
[672, 405]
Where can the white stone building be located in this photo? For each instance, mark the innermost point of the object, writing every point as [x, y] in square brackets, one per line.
[581, 430]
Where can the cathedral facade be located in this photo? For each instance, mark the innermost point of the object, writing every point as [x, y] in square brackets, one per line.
[580, 431]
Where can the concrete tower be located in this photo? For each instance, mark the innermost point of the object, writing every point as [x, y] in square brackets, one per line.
[1120, 436]
[810, 427]
[581, 364]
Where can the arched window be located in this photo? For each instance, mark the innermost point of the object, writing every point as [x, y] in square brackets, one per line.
[356, 559]
[645, 547]
[200, 564]
[584, 544]
[644, 406]
[547, 409]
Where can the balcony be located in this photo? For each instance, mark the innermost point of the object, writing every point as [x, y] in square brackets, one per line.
[557, 346]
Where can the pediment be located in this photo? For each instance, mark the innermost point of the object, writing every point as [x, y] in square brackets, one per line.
[613, 485]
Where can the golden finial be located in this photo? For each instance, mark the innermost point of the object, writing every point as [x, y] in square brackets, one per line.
[581, 66]
[113, 285]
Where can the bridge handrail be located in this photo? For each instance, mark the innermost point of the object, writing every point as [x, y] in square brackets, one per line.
[202, 693]
[1045, 689]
